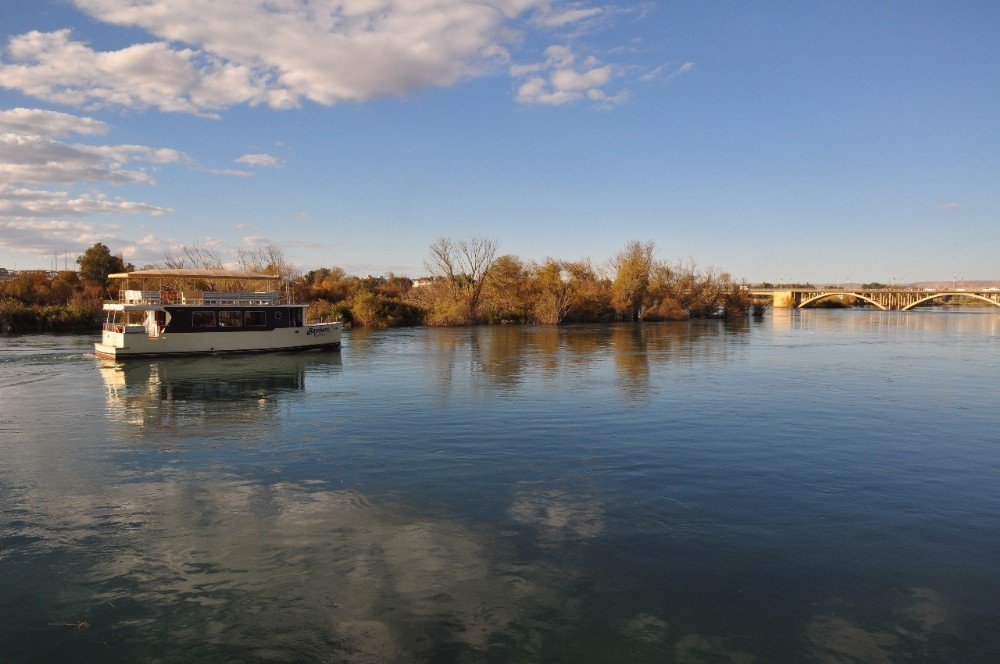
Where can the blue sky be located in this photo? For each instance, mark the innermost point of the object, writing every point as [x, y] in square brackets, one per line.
[825, 141]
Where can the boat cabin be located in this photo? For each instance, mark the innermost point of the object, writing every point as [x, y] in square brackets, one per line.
[153, 302]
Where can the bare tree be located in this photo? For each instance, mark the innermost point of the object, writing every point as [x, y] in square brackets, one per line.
[465, 265]
[193, 256]
[270, 259]
[441, 263]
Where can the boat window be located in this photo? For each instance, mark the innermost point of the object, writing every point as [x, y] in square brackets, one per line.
[202, 319]
[256, 319]
[230, 318]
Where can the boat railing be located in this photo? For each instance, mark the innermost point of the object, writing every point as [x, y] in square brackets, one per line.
[124, 328]
[141, 297]
[199, 298]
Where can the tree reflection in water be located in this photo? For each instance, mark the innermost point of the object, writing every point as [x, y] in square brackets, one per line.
[505, 358]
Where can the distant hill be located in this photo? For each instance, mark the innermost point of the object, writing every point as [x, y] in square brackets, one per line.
[968, 284]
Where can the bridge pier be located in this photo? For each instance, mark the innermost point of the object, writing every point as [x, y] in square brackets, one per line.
[786, 299]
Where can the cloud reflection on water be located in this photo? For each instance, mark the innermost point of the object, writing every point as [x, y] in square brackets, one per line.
[915, 624]
[557, 515]
[281, 571]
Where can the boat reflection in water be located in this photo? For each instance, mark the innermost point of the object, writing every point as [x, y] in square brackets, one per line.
[202, 390]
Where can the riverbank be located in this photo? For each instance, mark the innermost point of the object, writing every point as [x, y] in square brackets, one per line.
[18, 317]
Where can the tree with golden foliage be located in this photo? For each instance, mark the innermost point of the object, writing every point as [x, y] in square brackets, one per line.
[556, 291]
[591, 293]
[509, 295]
[632, 267]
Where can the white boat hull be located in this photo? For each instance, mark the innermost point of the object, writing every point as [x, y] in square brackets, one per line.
[118, 345]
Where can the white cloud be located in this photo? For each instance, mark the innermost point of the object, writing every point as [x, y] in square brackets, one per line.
[228, 171]
[44, 203]
[208, 55]
[27, 159]
[33, 221]
[43, 236]
[258, 159]
[263, 52]
[948, 206]
[524, 70]
[33, 159]
[48, 123]
[54, 67]
[567, 81]
[33, 218]
[668, 70]
[560, 18]
[30, 153]
[126, 153]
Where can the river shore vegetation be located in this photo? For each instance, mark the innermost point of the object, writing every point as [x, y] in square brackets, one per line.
[67, 301]
[467, 282]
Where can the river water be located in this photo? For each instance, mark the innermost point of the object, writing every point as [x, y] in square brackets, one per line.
[813, 486]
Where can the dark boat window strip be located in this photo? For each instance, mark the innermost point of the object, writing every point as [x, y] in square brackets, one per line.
[202, 319]
[233, 319]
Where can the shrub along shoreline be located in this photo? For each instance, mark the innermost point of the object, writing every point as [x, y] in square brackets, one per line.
[17, 316]
[467, 284]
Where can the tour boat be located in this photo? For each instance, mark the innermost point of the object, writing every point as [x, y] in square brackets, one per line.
[191, 312]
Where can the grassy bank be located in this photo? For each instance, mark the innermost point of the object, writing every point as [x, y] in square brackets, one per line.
[16, 316]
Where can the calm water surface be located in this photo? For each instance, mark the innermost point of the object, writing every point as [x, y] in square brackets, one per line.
[815, 486]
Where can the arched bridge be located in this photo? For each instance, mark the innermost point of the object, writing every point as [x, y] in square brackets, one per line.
[883, 298]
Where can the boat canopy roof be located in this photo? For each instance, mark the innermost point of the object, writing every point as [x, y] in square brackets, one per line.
[192, 273]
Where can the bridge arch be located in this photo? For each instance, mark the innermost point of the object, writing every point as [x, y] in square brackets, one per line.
[823, 296]
[934, 296]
